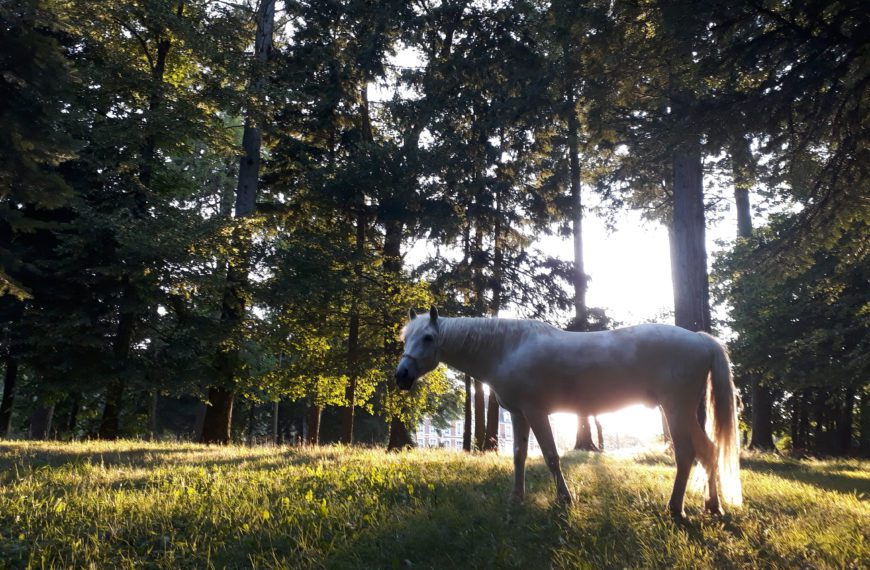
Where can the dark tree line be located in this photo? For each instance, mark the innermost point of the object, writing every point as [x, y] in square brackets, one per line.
[207, 208]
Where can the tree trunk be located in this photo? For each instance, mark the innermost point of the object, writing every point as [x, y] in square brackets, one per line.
[218, 420]
[845, 427]
[218, 417]
[584, 441]
[479, 416]
[600, 433]
[110, 422]
[289, 428]
[579, 277]
[762, 411]
[761, 398]
[400, 437]
[249, 166]
[199, 420]
[819, 442]
[72, 422]
[864, 433]
[742, 167]
[347, 413]
[744, 216]
[467, 425]
[312, 422]
[492, 415]
[276, 408]
[152, 415]
[466, 433]
[40, 422]
[682, 29]
[689, 261]
[688, 247]
[251, 424]
[794, 427]
[9, 379]
[129, 308]
[490, 442]
[804, 421]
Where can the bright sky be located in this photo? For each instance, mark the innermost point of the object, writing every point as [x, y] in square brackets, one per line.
[630, 268]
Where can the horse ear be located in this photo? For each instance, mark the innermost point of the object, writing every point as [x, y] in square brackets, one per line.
[433, 314]
[411, 314]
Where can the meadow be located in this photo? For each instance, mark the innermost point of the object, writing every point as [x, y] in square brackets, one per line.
[137, 504]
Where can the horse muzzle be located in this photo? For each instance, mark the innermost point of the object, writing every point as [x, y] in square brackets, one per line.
[404, 378]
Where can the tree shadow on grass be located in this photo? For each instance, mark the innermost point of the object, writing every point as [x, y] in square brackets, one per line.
[464, 521]
[54, 456]
[838, 476]
[13, 457]
[826, 476]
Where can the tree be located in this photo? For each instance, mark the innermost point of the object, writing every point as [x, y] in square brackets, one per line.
[482, 88]
[791, 75]
[85, 247]
[799, 332]
[761, 398]
[37, 82]
[218, 419]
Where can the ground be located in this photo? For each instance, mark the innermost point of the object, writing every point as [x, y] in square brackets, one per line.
[140, 504]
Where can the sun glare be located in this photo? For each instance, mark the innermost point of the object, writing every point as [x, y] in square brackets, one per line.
[630, 428]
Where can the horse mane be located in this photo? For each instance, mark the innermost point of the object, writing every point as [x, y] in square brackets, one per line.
[484, 334]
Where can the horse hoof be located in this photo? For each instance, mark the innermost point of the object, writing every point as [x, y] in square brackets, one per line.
[565, 499]
[678, 516]
[516, 498]
[713, 508]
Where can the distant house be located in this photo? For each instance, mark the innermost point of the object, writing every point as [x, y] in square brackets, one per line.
[451, 437]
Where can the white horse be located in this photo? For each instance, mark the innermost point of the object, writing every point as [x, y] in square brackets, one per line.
[536, 369]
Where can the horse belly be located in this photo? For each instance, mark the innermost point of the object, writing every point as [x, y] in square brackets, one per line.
[593, 395]
[557, 376]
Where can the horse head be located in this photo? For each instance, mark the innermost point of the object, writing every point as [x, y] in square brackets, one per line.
[421, 347]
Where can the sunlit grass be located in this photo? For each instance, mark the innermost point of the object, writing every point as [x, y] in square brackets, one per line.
[182, 505]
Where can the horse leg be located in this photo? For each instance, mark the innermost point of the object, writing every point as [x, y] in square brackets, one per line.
[706, 451]
[521, 450]
[684, 454]
[540, 424]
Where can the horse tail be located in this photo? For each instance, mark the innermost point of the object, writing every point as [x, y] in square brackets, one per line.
[722, 413]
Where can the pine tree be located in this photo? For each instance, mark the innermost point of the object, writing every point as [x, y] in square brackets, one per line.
[218, 419]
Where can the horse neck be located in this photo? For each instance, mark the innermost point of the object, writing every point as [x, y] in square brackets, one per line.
[473, 345]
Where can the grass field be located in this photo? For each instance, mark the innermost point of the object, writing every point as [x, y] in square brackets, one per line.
[135, 504]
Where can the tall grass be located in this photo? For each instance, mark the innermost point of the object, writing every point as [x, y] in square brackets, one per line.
[135, 504]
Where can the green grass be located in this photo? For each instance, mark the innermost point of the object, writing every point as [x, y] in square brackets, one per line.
[135, 504]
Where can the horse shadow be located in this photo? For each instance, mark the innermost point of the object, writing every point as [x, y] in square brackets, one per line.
[473, 524]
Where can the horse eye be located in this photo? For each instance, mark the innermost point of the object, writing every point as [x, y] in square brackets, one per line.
[427, 338]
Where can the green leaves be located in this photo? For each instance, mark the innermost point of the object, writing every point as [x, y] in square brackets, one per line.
[801, 326]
